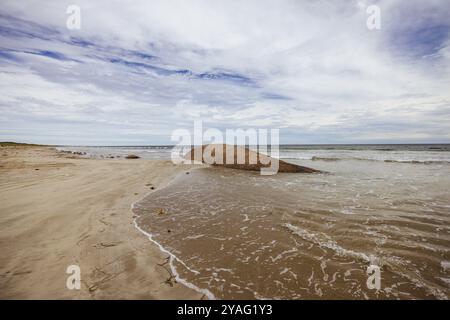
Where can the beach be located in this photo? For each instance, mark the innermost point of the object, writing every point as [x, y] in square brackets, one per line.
[58, 210]
[146, 228]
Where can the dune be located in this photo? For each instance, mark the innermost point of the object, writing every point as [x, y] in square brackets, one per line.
[252, 161]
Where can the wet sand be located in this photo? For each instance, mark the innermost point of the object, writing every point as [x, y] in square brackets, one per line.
[58, 210]
[241, 235]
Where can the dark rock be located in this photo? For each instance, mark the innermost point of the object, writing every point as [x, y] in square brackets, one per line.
[132, 156]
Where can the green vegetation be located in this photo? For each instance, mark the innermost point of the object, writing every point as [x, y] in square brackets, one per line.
[16, 144]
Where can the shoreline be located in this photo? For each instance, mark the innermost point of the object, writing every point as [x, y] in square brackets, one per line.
[175, 276]
[59, 210]
[170, 259]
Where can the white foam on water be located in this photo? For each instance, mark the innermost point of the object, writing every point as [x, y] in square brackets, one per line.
[446, 280]
[173, 257]
[282, 254]
[284, 271]
[445, 265]
[223, 270]
[397, 265]
[194, 237]
[328, 244]
[190, 285]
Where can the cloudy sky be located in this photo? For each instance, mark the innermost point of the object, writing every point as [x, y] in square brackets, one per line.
[137, 70]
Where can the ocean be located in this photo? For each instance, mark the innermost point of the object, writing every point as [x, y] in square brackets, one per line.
[233, 234]
[377, 152]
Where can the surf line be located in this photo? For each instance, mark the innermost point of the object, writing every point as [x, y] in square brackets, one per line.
[173, 257]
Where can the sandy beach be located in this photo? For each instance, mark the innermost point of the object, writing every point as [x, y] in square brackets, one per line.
[58, 210]
[231, 234]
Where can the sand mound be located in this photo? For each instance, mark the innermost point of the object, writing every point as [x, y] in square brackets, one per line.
[248, 159]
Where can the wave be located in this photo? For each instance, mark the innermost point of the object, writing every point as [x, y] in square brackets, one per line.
[397, 265]
[326, 243]
[173, 258]
[333, 159]
[419, 161]
[314, 158]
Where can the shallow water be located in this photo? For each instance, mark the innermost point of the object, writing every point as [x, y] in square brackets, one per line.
[308, 236]
[421, 153]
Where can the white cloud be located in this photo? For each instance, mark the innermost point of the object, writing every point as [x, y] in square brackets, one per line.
[308, 67]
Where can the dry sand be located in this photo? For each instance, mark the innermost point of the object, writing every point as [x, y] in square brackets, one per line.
[78, 211]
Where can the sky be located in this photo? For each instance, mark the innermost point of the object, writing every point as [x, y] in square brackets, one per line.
[136, 71]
